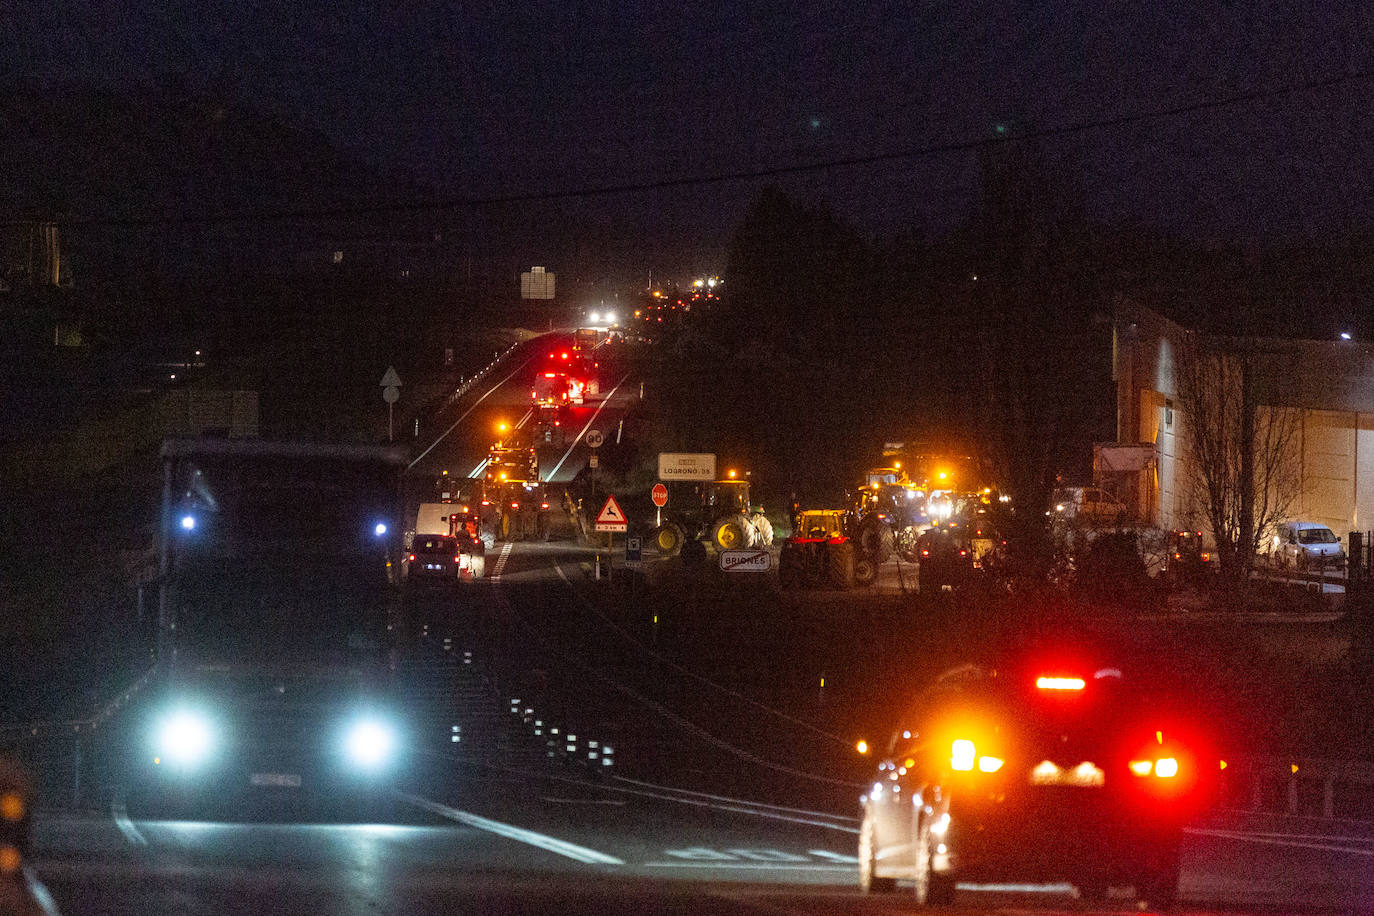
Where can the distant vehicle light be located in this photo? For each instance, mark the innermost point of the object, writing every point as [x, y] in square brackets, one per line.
[595, 317]
[962, 754]
[989, 764]
[1166, 767]
[188, 522]
[1060, 683]
[543, 505]
[861, 746]
[185, 738]
[370, 744]
[411, 558]
[380, 529]
[515, 505]
[458, 559]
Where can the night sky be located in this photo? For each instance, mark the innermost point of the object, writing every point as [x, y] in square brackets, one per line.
[494, 98]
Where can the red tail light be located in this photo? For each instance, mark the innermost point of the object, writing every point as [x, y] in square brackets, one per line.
[1060, 683]
[412, 558]
[543, 505]
[515, 505]
[457, 559]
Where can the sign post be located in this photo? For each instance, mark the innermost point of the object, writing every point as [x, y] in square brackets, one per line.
[391, 393]
[612, 521]
[659, 494]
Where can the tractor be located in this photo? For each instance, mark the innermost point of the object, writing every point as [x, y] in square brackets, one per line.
[819, 552]
[891, 513]
[720, 513]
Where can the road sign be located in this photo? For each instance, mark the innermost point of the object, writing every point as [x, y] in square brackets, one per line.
[391, 394]
[659, 494]
[592, 462]
[745, 560]
[611, 518]
[391, 379]
[594, 438]
[634, 555]
[684, 466]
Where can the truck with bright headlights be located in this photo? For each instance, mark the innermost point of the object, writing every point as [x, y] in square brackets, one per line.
[277, 622]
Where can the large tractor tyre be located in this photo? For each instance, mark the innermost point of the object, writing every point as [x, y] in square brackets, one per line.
[731, 532]
[840, 564]
[875, 540]
[668, 539]
[791, 567]
[865, 571]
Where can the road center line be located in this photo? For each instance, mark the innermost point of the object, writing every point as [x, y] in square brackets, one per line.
[511, 832]
[120, 813]
[444, 434]
[578, 438]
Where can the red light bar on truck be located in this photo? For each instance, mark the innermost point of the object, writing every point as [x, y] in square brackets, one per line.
[1059, 683]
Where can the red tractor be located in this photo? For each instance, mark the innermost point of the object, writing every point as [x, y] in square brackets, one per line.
[819, 553]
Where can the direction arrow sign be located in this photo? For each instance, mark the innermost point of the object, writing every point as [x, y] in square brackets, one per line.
[391, 379]
[594, 439]
[659, 494]
[745, 560]
[611, 518]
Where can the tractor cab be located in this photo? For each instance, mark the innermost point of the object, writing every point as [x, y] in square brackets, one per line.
[722, 496]
[819, 525]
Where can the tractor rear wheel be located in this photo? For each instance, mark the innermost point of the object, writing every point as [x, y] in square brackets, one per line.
[875, 539]
[668, 539]
[840, 564]
[865, 571]
[729, 532]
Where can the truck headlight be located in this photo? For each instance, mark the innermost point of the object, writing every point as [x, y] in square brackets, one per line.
[370, 743]
[184, 739]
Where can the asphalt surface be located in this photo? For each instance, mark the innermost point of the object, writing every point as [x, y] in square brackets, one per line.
[724, 793]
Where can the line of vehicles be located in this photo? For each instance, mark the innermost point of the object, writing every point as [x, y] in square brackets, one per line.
[508, 501]
[921, 516]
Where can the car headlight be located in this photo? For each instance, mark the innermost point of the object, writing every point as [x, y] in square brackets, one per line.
[184, 739]
[370, 744]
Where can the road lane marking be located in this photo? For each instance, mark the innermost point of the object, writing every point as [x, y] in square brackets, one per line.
[120, 813]
[616, 802]
[444, 434]
[578, 437]
[738, 801]
[1274, 841]
[754, 866]
[834, 856]
[511, 832]
[501, 561]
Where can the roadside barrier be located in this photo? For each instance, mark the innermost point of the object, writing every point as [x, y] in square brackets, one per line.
[482, 373]
[56, 752]
[1300, 787]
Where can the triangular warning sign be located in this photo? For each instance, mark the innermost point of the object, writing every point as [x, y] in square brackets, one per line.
[391, 379]
[610, 513]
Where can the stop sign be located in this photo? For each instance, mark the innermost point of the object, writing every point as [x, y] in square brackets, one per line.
[660, 495]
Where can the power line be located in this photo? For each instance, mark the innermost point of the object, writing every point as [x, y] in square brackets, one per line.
[661, 184]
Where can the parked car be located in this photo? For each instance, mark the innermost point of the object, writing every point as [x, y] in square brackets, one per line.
[1307, 545]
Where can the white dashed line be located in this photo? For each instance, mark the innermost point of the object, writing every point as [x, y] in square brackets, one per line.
[501, 561]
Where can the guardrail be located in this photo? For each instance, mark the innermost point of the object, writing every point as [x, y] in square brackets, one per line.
[56, 752]
[1300, 786]
[482, 373]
